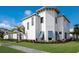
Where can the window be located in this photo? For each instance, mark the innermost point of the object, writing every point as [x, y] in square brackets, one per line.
[65, 35]
[50, 35]
[41, 19]
[28, 26]
[60, 32]
[32, 21]
[56, 20]
[41, 35]
[56, 35]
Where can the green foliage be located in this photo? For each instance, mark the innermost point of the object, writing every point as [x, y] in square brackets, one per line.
[76, 30]
[21, 29]
[1, 34]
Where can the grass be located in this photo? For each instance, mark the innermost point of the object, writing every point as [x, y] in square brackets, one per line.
[68, 47]
[8, 50]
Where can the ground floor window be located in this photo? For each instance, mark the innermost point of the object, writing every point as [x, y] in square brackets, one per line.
[60, 32]
[56, 35]
[50, 35]
[41, 35]
[65, 35]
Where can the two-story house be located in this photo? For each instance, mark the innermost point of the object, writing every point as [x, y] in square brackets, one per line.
[46, 25]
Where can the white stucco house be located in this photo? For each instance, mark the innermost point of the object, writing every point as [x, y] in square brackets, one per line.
[46, 25]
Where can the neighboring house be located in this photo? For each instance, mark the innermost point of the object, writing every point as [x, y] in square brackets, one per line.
[71, 31]
[5, 33]
[18, 34]
[46, 25]
[15, 34]
[75, 32]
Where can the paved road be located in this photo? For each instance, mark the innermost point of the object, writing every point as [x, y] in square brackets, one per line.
[24, 49]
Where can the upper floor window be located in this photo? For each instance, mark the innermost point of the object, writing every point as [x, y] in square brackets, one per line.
[28, 26]
[32, 21]
[56, 20]
[41, 19]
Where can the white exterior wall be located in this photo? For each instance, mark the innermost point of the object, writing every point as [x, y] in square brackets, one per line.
[66, 27]
[37, 26]
[6, 37]
[62, 26]
[14, 36]
[24, 37]
[31, 33]
[50, 22]
[43, 25]
[59, 27]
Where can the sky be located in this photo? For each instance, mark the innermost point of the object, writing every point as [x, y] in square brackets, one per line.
[10, 16]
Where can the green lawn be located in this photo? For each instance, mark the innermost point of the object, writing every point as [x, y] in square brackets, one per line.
[68, 47]
[8, 50]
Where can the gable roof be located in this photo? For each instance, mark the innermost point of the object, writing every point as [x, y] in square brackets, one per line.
[47, 8]
[30, 16]
[64, 17]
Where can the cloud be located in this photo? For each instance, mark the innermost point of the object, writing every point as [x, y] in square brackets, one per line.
[28, 12]
[71, 30]
[7, 22]
[3, 25]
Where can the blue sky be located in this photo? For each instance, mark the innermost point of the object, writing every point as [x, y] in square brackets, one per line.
[11, 16]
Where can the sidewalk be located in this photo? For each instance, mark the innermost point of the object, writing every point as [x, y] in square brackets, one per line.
[24, 49]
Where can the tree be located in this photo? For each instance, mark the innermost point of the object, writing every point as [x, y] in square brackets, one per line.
[1, 34]
[76, 30]
[21, 30]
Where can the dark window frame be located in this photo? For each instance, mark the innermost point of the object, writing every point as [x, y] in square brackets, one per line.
[56, 20]
[28, 26]
[41, 20]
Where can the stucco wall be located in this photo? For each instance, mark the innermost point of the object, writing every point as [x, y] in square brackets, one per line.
[31, 32]
[50, 22]
[6, 36]
[14, 36]
[43, 25]
[37, 26]
[63, 26]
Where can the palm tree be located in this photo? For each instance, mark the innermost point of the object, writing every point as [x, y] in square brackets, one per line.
[76, 30]
[1, 34]
[21, 31]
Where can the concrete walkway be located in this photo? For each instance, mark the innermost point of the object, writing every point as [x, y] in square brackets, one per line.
[27, 50]
[23, 49]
